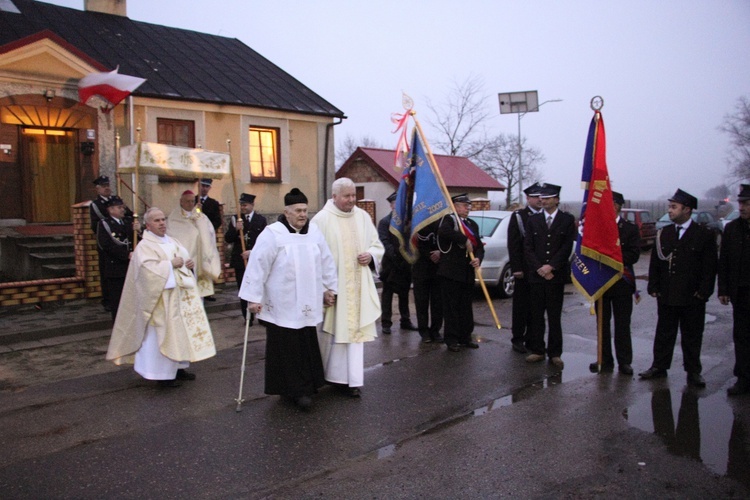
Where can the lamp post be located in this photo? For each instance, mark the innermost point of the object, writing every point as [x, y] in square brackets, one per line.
[521, 103]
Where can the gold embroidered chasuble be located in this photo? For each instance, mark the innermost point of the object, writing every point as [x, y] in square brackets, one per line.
[196, 233]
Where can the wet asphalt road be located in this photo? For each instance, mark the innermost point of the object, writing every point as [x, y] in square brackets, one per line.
[431, 424]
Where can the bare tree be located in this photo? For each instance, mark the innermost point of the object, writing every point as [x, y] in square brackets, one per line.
[459, 119]
[737, 125]
[499, 158]
[717, 192]
[347, 146]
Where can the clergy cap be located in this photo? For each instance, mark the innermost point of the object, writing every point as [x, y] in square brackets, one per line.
[294, 197]
[114, 200]
[461, 198]
[744, 192]
[392, 196]
[207, 182]
[533, 190]
[618, 198]
[685, 198]
[101, 180]
[247, 198]
[550, 191]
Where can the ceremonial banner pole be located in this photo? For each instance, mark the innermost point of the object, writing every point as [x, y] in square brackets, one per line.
[443, 187]
[136, 186]
[239, 225]
[599, 331]
[242, 372]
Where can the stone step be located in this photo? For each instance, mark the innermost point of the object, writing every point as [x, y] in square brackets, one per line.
[46, 246]
[58, 270]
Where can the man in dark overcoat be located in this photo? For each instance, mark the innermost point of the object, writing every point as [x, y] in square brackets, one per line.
[208, 205]
[428, 301]
[681, 277]
[734, 287]
[547, 246]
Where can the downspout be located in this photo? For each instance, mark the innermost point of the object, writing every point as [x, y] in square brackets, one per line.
[329, 126]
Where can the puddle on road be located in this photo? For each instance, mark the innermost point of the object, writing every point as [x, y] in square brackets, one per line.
[705, 429]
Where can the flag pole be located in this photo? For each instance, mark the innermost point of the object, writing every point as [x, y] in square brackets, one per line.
[599, 330]
[239, 224]
[441, 182]
[136, 185]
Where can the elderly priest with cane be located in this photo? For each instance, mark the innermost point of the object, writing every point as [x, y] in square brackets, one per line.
[290, 277]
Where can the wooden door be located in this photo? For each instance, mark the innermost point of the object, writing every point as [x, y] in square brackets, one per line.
[50, 171]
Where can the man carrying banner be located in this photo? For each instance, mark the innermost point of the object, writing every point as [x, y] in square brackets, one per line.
[617, 301]
[521, 298]
[395, 274]
[681, 277]
[734, 287]
[428, 301]
[357, 252]
[547, 247]
[456, 271]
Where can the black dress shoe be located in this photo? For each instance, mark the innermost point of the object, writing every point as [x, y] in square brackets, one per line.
[653, 372]
[303, 402]
[471, 345]
[169, 383]
[742, 386]
[409, 326]
[386, 330]
[185, 375]
[354, 392]
[626, 369]
[519, 347]
[696, 380]
[454, 348]
[210, 298]
[438, 339]
[594, 368]
[426, 340]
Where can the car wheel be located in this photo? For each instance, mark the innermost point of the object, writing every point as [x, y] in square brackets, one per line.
[507, 282]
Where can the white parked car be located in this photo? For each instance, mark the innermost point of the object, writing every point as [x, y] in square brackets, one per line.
[729, 218]
[493, 229]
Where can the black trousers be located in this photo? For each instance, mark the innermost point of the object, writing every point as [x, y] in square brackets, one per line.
[521, 315]
[546, 297]
[689, 320]
[741, 333]
[621, 306]
[106, 299]
[387, 305]
[239, 272]
[457, 311]
[114, 286]
[428, 300]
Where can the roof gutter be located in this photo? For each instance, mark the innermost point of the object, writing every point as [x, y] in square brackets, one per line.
[329, 126]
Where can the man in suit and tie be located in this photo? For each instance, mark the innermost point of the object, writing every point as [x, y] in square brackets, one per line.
[681, 277]
[114, 238]
[617, 301]
[521, 299]
[208, 205]
[547, 246]
[252, 225]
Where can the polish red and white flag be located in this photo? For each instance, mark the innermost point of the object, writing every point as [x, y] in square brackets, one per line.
[111, 86]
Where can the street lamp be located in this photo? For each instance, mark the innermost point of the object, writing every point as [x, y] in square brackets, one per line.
[521, 103]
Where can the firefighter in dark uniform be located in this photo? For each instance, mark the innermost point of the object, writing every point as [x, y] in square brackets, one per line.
[208, 205]
[521, 299]
[428, 301]
[114, 238]
[734, 287]
[617, 301]
[456, 271]
[252, 225]
[395, 273]
[681, 277]
[547, 246]
[97, 213]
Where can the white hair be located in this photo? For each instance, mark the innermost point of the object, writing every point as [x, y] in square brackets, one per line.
[149, 212]
[340, 184]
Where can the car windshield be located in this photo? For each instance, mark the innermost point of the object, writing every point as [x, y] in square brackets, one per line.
[487, 225]
[732, 215]
[646, 217]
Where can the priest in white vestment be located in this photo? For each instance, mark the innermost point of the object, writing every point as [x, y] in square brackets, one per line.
[194, 231]
[289, 279]
[161, 325]
[357, 251]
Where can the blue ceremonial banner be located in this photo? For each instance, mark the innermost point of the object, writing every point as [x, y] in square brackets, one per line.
[597, 264]
[420, 200]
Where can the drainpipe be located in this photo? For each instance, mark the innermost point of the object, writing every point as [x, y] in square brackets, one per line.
[329, 126]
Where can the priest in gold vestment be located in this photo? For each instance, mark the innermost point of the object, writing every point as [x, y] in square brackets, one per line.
[161, 325]
[357, 251]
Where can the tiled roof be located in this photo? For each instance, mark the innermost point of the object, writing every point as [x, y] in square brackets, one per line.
[177, 63]
[458, 172]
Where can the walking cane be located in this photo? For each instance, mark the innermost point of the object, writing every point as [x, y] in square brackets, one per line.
[242, 372]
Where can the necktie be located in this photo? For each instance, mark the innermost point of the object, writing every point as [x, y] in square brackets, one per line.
[549, 221]
[679, 228]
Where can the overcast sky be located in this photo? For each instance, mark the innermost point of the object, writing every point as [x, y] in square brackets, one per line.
[669, 71]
